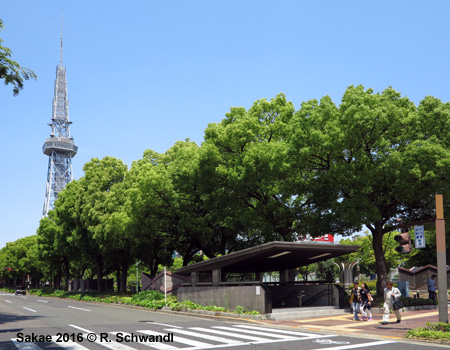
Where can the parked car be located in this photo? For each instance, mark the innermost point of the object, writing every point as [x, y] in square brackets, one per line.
[21, 290]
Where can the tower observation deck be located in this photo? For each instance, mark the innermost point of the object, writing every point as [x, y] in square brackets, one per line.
[59, 147]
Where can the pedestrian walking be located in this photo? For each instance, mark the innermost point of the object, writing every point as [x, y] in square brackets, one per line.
[432, 287]
[355, 300]
[366, 302]
[391, 293]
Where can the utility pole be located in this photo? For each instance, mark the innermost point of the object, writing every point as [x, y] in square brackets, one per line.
[441, 259]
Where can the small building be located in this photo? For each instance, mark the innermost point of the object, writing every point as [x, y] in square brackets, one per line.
[418, 277]
[169, 281]
[236, 278]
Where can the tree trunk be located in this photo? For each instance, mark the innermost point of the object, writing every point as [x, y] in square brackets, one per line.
[123, 277]
[380, 260]
[118, 279]
[99, 263]
[66, 271]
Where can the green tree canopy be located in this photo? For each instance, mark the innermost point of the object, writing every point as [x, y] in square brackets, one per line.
[372, 160]
[10, 71]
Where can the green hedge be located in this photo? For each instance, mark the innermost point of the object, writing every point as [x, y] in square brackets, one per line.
[150, 299]
[436, 331]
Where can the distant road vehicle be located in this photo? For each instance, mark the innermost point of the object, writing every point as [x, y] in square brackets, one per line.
[21, 290]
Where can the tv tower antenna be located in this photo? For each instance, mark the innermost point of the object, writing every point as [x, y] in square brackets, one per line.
[59, 147]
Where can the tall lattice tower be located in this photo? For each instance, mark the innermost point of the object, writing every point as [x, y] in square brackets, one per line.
[59, 146]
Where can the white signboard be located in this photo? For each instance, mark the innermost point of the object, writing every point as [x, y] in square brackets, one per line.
[419, 234]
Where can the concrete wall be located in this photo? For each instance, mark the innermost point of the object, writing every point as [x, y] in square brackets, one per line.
[229, 297]
[90, 285]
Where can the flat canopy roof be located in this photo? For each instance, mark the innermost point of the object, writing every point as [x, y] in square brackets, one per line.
[273, 256]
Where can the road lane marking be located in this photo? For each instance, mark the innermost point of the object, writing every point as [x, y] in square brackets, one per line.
[25, 346]
[29, 309]
[177, 339]
[163, 324]
[68, 345]
[78, 308]
[205, 336]
[355, 346]
[8, 301]
[43, 301]
[81, 329]
[154, 345]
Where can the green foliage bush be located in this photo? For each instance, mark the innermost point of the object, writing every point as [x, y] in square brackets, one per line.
[239, 309]
[417, 302]
[184, 305]
[147, 295]
[372, 285]
[437, 331]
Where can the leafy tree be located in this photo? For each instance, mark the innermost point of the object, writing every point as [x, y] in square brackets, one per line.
[97, 206]
[149, 211]
[54, 250]
[369, 161]
[365, 256]
[10, 71]
[246, 167]
[86, 220]
[22, 257]
[326, 270]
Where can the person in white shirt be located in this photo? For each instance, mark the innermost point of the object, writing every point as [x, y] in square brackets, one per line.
[390, 294]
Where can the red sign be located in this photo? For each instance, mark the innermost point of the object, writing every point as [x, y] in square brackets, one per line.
[326, 238]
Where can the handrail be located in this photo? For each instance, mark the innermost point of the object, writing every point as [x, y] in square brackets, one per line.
[288, 297]
[317, 296]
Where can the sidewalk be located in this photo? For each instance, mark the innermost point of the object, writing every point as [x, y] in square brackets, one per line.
[344, 324]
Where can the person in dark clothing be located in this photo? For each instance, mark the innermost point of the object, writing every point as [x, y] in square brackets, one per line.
[432, 287]
[366, 302]
[355, 300]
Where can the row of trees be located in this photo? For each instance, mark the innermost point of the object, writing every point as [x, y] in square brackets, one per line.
[263, 174]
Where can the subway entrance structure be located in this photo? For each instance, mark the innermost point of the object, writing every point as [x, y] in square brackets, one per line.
[237, 278]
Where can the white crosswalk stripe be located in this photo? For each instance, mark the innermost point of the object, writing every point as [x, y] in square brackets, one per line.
[186, 338]
[182, 340]
[69, 345]
[25, 346]
[204, 336]
[275, 330]
[230, 334]
[264, 334]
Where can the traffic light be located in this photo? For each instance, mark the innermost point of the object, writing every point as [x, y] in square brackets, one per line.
[404, 241]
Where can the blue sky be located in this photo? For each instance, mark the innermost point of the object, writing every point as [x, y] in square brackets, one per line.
[144, 74]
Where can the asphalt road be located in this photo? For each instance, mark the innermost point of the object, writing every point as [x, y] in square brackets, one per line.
[34, 323]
